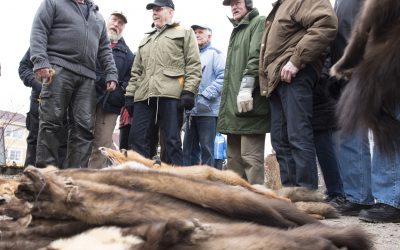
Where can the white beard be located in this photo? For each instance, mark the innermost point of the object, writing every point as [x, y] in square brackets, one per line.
[113, 36]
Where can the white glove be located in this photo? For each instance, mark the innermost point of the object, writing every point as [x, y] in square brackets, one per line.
[244, 99]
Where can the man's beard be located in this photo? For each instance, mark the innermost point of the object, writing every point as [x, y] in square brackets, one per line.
[113, 36]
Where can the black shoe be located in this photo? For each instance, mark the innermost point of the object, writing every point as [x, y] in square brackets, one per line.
[336, 201]
[380, 213]
[348, 208]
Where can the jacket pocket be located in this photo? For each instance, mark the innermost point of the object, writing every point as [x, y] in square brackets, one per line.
[203, 105]
[175, 73]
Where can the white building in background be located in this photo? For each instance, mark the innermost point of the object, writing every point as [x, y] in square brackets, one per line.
[13, 134]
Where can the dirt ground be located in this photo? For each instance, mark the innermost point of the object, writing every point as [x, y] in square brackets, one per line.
[385, 236]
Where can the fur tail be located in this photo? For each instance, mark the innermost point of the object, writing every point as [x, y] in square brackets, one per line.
[371, 98]
[350, 238]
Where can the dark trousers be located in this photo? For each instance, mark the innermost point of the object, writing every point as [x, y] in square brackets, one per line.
[74, 93]
[144, 128]
[291, 130]
[328, 162]
[198, 143]
[124, 136]
[32, 124]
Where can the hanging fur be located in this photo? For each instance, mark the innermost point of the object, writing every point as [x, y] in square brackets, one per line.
[371, 62]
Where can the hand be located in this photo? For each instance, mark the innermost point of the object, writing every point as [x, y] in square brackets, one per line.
[244, 99]
[44, 75]
[129, 104]
[288, 72]
[187, 99]
[111, 85]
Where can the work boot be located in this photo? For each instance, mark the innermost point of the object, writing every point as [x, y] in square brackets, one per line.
[380, 213]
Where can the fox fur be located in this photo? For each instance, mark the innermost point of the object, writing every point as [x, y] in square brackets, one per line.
[168, 211]
[197, 172]
[371, 61]
[131, 159]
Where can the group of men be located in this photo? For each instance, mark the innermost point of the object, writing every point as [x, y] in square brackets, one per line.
[85, 74]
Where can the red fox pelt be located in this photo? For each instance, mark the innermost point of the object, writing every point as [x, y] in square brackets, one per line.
[168, 211]
[371, 60]
[197, 172]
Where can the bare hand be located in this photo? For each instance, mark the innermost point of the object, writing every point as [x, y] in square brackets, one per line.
[111, 85]
[288, 72]
[42, 74]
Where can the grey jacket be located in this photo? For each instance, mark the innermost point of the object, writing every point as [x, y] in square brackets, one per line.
[61, 35]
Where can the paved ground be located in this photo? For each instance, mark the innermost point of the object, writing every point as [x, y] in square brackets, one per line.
[385, 236]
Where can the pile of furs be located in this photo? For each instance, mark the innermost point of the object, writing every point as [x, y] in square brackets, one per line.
[144, 208]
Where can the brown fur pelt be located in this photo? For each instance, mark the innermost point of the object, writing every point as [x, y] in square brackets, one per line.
[166, 211]
[318, 209]
[271, 172]
[371, 61]
[202, 172]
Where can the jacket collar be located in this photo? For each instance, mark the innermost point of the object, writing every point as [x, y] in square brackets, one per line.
[167, 26]
[208, 45]
[246, 19]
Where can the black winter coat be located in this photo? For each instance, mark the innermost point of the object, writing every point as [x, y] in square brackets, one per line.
[25, 71]
[114, 101]
[328, 89]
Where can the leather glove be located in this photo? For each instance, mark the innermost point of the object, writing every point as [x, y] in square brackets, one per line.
[244, 98]
[187, 99]
[129, 101]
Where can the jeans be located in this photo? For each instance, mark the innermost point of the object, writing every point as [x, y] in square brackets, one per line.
[366, 181]
[325, 149]
[355, 166]
[291, 130]
[198, 143]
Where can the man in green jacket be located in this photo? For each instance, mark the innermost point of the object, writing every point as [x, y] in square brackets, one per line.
[244, 113]
[165, 77]
[296, 35]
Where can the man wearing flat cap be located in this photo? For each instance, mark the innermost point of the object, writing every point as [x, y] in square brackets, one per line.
[164, 80]
[201, 121]
[109, 104]
[244, 114]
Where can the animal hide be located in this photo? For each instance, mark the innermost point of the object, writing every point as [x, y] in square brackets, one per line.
[157, 210]
[371, 61]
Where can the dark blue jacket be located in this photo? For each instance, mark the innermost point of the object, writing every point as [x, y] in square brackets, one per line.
[25, 71]
[114, 101]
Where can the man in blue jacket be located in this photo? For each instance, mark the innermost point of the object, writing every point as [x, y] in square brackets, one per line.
[67, 38]
[201, 121]
[109, 104]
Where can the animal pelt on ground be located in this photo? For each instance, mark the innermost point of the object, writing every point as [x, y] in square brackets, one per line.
[167, 211]
[197, 172]
[371, 61]
[131, 159]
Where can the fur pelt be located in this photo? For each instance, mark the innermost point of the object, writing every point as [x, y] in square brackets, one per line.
[166, 211]
[371, 62]
[132, 160]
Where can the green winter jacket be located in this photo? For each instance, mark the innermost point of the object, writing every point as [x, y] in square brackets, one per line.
[243, 59]
[166, 62]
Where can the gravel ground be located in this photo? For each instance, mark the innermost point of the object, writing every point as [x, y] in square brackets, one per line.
[385, 236]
